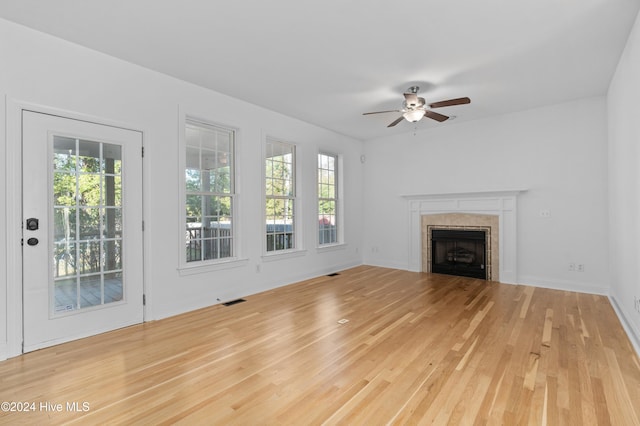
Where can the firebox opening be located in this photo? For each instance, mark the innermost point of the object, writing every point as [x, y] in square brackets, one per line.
[459, 252]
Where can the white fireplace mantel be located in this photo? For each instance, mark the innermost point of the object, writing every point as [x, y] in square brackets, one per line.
[500, 203]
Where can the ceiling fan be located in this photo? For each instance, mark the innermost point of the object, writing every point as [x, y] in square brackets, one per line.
[413, 107]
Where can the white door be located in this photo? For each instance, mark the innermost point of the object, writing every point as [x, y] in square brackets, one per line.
[82, 229]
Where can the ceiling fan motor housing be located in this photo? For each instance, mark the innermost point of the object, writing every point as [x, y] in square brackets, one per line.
[420, 102]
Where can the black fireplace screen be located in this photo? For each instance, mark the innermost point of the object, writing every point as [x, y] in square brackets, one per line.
[459, 252]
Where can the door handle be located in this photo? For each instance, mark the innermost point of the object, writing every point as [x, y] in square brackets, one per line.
[32, 241]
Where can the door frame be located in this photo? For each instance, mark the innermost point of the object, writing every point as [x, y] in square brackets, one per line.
[14, 231]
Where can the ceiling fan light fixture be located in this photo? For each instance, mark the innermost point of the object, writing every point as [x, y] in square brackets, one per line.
[413, 115]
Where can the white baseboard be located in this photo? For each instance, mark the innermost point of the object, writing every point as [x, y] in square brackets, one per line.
[192, 305]
[388, 264]
[305, 276]
[565, 285]
[4, 351]
[632, 331]
[89, 333]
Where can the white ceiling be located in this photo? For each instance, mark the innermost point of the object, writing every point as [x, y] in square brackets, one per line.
[327, 62]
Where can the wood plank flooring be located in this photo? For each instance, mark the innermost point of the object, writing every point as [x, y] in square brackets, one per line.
[418, 349]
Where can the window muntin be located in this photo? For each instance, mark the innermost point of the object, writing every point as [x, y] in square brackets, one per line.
[327, 199]
[280, 196]
[209, 192]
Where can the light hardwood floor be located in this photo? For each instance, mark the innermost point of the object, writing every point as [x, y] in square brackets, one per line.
[418, 349]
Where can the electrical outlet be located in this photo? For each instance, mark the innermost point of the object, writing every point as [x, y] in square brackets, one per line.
[572, 267]
[580, 267]
[545, 213]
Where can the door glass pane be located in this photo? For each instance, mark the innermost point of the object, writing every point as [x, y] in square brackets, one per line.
[112, 287]
[112, 158]
[64, 154]
[64, 224]
[88, 257]
[87, 224]
[89, 157]
[112, 191]
[88, 190]
[64, 189]
[112, 259]
[66, 295]
[90, 291]
[112, 222]
[64, 264]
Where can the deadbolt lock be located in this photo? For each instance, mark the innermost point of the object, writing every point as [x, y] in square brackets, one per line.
[32, 224]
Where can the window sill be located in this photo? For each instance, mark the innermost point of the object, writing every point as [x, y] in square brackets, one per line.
[269, 257]
[212, 267]
[331, 247]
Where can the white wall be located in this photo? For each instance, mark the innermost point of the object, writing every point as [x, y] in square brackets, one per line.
[3, 237]
[558, 153]
[39, 69]
[624, 185]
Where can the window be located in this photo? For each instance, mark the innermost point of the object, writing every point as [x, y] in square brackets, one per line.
[280, 196]
[327, 199]
[209, 189]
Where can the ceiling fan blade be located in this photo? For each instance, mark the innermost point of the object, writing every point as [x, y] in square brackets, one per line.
[380, 112]
[411, 98]
[396, 121]
[435, 116]
[450, 102]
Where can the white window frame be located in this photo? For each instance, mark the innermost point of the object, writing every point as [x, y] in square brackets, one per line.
[298, 248]
[188, 268]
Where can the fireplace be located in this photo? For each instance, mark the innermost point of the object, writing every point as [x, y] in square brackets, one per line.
[460, 223]
[492, 211]
[459, 252]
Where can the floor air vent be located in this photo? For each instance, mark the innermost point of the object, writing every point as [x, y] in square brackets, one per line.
[233, 302]
[333, 275]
